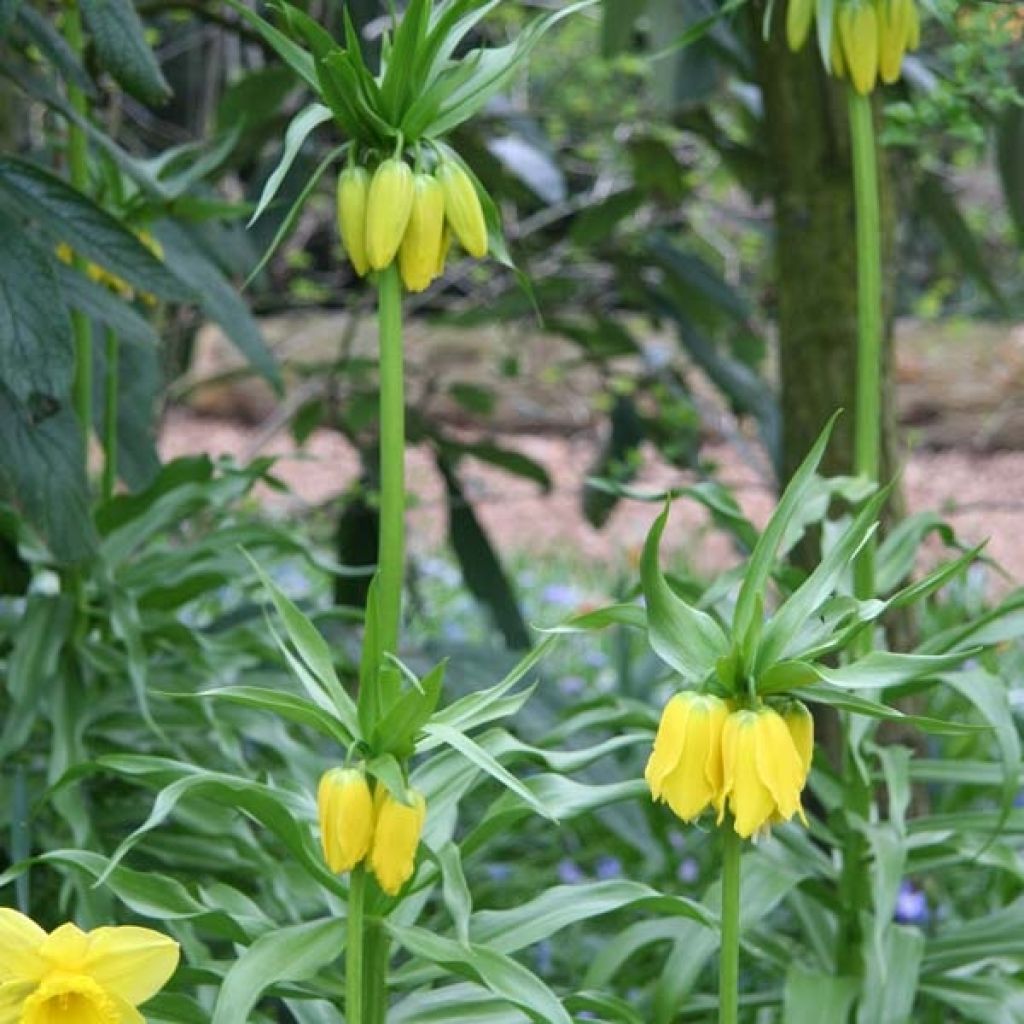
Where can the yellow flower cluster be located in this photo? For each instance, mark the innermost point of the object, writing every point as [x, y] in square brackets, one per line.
[752, 762]
[104, 277]
[356, 824]
[75, 977]
[869, 37]
[411, 215]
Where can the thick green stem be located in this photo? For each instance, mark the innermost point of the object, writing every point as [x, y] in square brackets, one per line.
[111, 386]
[729, 968]
[854, 885]
[391, 552]
[868, 423]
[78, 170]
[354, 973]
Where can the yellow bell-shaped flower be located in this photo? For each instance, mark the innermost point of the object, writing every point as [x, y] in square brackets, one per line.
[353, 193]
[893, 29]
[685, 766]
[76, 977]
[396, 838]
[462, 209]
[420, 253]
[858, 33]
[800, 723]
[346, 818]
[799, 15]
[763, 774]
[388, 207]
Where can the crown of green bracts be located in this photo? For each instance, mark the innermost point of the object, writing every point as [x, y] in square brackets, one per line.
[863, 39]
[405, 194]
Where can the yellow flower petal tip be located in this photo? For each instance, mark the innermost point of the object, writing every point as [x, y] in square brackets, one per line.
[462, 209]
[353, 193]
[799, 16]
[763, 772]
[345, 806]
[420, 254]
[76, 977]
[396, 838]
[388, 208]
[685, 766]
[858, 34]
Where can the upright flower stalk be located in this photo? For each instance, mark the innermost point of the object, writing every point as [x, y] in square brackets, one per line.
[78, 172]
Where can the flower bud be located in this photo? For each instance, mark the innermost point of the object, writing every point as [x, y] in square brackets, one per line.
[396, 838]
[893, 24]
[800, 723]
[420, 253]
[346, 818]
[762, 772]
[685, 766]
[799, 15]
[388, 206]
[462, 209]
[858, 32]
[353, 191]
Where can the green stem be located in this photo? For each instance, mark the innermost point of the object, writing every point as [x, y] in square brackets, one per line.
[391, 552]
[111, 387]
[867, 463]
[868, 423]
[729, 969]
[78, 169]
[354, 947]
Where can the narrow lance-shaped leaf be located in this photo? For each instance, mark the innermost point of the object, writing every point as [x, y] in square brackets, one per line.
[687, 639]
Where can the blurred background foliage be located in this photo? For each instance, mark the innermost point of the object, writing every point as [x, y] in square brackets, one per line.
[676, 186]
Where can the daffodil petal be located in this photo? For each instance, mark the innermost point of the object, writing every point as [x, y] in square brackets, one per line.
[129, 1015]
[20, 939]
[65, 948]
[12, 998]
[131, 963]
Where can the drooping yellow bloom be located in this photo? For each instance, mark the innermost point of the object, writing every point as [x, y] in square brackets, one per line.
[388, 206]
[858, 34]
[346, 818]
[462, 209]
[76, 977]
[763, 773]
[420, 253]
[893, 29]
[800, 723]
[685, 766]
[799, 15]
[353, 192]
[396, 838]
[913, 16]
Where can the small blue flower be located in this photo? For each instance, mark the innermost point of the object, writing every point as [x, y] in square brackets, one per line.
[688, 871]
[572, 686]
[569, 872]
[1018, 800]
[563, 594]
[608, 867]
[911, 905]
[499, 872]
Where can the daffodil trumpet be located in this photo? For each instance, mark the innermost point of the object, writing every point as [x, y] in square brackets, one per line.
[70, 976]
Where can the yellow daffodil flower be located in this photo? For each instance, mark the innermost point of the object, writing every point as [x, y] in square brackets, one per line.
[396, 838]
[76, 977]
[685, 766]
[763, 772]
[346, 818]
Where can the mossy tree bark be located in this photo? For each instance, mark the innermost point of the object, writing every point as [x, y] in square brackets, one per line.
[808, 143]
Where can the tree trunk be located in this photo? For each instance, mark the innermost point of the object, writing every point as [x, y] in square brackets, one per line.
[808, 140]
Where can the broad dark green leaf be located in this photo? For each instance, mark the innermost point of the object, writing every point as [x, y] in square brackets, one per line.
[121, 47]
[69, 216]
[36, 346]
